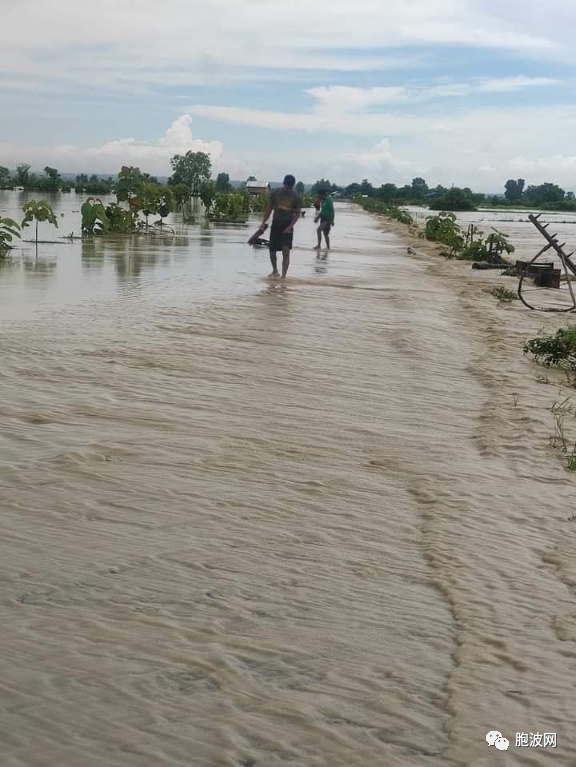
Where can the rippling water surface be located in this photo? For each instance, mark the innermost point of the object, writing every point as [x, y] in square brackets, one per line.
[253, 524]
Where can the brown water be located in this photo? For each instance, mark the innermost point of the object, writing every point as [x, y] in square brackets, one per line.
[251, 524]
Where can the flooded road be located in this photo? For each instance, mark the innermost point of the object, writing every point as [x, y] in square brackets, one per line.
[250, 525]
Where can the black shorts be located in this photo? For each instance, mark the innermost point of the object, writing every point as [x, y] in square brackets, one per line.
[325, 225]
[279, 240]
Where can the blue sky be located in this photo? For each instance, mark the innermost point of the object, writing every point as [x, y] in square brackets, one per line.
[469, 92]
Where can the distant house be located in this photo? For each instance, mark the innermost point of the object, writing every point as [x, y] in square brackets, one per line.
[257, 187]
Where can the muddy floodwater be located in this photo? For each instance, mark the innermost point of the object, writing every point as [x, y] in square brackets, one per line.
[253, 524]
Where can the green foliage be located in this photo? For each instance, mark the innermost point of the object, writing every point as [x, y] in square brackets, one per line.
[208, 194]
[443, 228]
[8, 230]
[116, 220]
[129, 185]
[454, 199]
[323, 185]
[93, 184]
[22, 177]
[38, 210]
[223, 182]
[258, 203]
[191, 169]
[373, 205]
[230, 206]
[558, 350]
[165, 201]
[300, 188]
[514, 189]
[489, 249]
[543, 194]
[5, 178]
[94, 217]
[503, 295]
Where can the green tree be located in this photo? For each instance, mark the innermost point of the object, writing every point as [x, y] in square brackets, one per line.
[22, 177]
[149, 199]
[191, 169]
[130, 184]
[514, 189]
[38, 210]
[387, 192]
[419, 188]
[544, 193]
[208, 194]
[5, 178]
[323, 184]
[53, 180]
[366, 188]
[300, 188]
[454, 199]
[223, 182]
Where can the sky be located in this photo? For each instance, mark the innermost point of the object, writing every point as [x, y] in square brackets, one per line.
[464, 92]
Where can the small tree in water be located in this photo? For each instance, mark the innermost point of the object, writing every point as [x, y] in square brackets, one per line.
[38, 210]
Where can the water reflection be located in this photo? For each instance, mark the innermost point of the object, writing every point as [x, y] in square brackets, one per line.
[321, 265]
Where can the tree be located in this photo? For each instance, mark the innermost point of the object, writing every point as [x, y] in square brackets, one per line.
[300, 188]
[5, 179]
[22, 177]
[191, 169]
[514, 189]
[387, 192]
[366, 188]
[38, 210]
[419, 188]
[53, 180]
[323, 185]
[547, 192]
[223, 182]
[130, 184]
[208, 194]
[454, 199]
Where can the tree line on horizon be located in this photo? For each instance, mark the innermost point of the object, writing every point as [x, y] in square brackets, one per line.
[193, 171]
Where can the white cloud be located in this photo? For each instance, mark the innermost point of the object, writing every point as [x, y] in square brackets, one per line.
[111, 45]
[508, 84]
[151, 157]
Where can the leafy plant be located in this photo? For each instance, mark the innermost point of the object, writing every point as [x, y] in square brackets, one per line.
[230, 206]
[208, 193]
[94, 217]
[38, 210]
[558, 350]
[443, 228]
[8, 230]
[119, 220]
[503, 295]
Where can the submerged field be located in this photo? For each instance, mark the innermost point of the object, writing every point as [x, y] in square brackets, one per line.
[252, 524]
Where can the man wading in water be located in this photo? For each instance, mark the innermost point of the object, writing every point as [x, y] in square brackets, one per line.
[326, 216]
[286, 204]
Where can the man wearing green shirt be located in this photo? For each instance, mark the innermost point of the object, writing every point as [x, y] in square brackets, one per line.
[326, 216]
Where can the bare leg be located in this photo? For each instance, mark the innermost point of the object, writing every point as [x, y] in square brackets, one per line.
[327, 238]
[285, 260]
[274, 263]
[319, 233]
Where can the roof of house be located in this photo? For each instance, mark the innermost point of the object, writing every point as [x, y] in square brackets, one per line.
[257, 184]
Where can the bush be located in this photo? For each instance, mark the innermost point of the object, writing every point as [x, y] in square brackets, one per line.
[558, 350]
